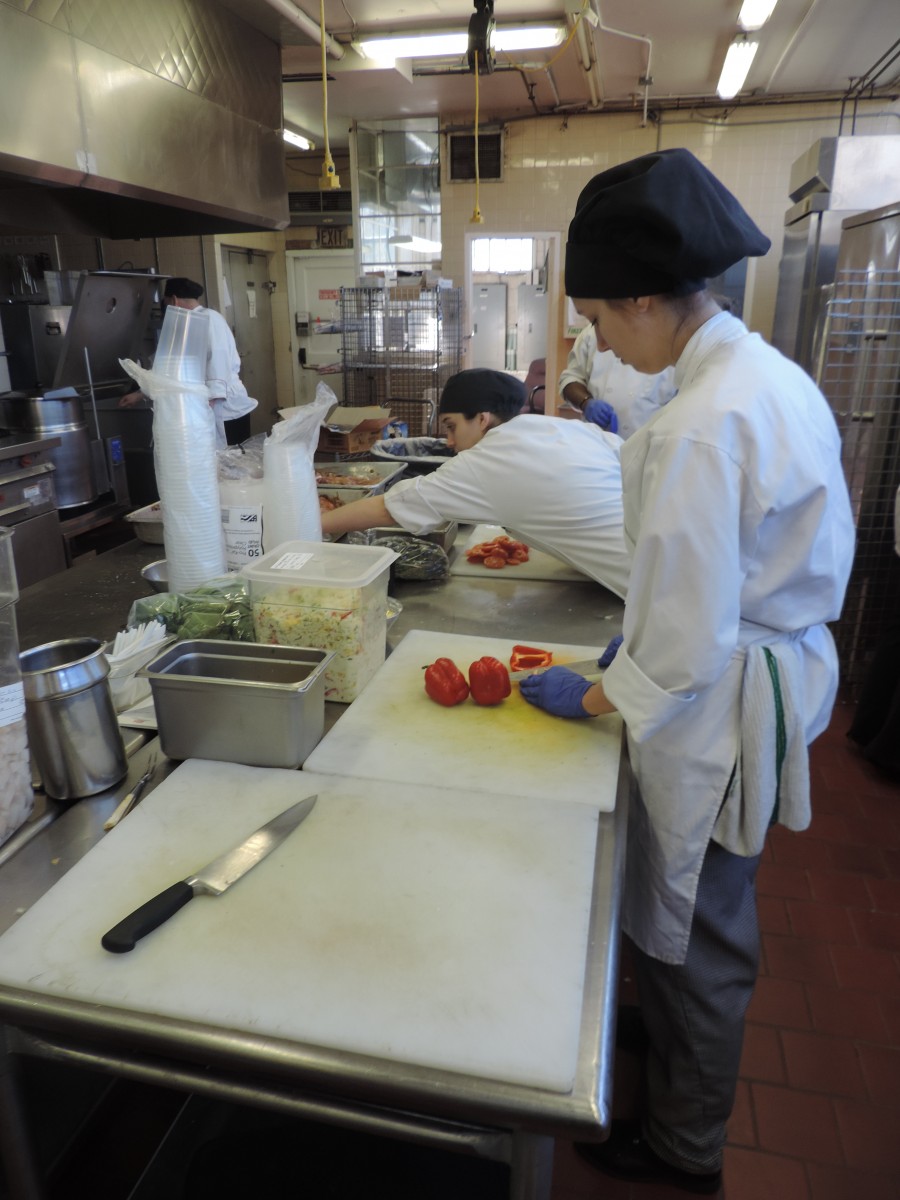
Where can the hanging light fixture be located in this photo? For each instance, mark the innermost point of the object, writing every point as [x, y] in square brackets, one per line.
[455, 44]
[755, 13]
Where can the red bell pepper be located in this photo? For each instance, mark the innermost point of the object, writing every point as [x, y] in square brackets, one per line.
[445, 682]
[489, 681]
[529, 658]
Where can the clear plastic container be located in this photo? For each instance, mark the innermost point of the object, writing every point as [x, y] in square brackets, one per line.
[16, 795]
[329, 596]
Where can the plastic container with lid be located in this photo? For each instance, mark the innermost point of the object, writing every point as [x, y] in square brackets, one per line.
[329, 596]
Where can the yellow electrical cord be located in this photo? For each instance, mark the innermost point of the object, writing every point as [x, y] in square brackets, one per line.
[563, 48]
[329, 178]
[476, 218]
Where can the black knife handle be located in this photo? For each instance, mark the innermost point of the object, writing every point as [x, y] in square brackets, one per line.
[148, 917]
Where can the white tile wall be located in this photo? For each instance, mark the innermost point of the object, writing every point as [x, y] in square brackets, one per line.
[549, 160]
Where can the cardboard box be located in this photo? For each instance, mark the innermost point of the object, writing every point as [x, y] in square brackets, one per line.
[352, 430]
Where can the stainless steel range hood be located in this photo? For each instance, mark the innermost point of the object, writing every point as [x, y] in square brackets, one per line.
[136, 120]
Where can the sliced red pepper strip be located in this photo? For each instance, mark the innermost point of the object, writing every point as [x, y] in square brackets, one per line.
[445, 682]
[529, 658]
[489, 681]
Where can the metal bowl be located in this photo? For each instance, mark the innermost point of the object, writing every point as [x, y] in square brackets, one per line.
[157, 575]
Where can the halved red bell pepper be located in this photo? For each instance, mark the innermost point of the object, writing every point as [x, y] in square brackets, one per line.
[489, 681]
[529, 658]
[445, 682]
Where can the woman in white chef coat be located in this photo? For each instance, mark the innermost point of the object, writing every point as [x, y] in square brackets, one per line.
[609, 392]
[230, 402]
[741, 535]
[557, 483]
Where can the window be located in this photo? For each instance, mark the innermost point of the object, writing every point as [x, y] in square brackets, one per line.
[502, 256]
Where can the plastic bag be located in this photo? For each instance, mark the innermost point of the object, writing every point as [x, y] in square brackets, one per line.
[218, 609]
[418, 559]
[291, 499]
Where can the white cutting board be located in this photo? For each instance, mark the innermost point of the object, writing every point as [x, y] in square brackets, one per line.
[539, 565]
[393, 731]
[414, 924]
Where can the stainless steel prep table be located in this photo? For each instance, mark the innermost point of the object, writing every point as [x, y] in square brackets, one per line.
[505, 1122]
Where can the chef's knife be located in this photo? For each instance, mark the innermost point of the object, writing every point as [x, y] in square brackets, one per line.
[590, 666]
[215, 878]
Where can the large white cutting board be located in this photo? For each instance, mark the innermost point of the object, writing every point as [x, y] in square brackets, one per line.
[539, 565]
[393, 731]
[414, 924]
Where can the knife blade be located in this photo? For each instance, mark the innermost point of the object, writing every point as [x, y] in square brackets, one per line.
[589, 666]
[213, 879]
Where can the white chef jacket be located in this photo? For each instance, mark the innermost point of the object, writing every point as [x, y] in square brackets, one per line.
[634, 396]
[742, 539]
[223, 381]
[555, 482]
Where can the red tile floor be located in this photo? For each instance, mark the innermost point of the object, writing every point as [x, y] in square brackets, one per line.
[817, 1115]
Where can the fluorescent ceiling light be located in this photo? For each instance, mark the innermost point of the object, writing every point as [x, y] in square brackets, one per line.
[447, 45]
[735, 69]
[411, 242]
[755, 13]
[297, 139]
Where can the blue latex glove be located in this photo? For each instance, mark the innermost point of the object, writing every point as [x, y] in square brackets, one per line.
[558, 691]
[610, 652]
[598, 412]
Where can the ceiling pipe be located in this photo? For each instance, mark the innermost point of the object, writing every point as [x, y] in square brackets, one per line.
[646, 79]
[793, 41]
[297, 17]
[588, 60]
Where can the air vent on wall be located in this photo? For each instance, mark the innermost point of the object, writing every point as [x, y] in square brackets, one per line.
[461, 156]
[321, 208]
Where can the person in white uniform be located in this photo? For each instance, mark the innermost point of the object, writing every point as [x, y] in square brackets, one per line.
[555, 484]
[741, 535]
[230, 402]
[610, 393]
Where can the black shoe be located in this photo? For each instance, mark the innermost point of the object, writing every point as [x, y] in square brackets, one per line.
[625, 1155]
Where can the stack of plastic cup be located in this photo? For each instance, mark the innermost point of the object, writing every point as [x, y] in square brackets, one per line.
[184, 451]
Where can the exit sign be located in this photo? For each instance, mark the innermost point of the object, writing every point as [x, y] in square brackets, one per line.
[332, 237]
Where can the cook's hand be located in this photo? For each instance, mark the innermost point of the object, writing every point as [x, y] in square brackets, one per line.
[610, 652]
[558, 691]
[598, 412]
[130, 399]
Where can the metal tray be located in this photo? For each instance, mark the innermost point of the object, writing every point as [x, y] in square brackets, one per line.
[360, 475]
[242, 702]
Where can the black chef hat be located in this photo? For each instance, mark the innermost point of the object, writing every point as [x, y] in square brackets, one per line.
[481, 390]
[182, 288]
[660, 223]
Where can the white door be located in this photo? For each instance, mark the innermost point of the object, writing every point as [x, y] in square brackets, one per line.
[249, 313]
[315, 279]
[488, 345]
[531, 326]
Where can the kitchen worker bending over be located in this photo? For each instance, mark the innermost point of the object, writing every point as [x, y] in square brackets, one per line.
[610, 393]
[227, 395]
[555, 482]
[739, 525]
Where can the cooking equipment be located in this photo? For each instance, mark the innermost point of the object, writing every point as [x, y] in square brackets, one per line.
[75, 740]
[239, 701]
[414, 924]
[213, 879]
[28, 506]
[394, 732]
[16, 796]
[539, 565]
[588, 667]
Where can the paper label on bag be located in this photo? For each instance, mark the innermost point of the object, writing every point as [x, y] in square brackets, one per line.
[242, 524]
[291, 562]
[12, 703]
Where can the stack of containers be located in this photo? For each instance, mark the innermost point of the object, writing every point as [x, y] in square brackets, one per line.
[328, 596]
[184, 451]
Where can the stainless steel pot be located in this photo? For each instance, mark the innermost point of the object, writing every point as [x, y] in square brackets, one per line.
[61, 418]
[75, 740]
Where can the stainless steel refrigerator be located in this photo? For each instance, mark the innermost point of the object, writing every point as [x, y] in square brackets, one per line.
[858, 370]
[835, 179]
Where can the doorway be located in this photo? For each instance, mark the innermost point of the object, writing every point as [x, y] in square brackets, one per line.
[315, 279]
[248, 310]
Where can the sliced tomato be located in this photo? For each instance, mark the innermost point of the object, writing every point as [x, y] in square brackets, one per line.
[494, 562]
